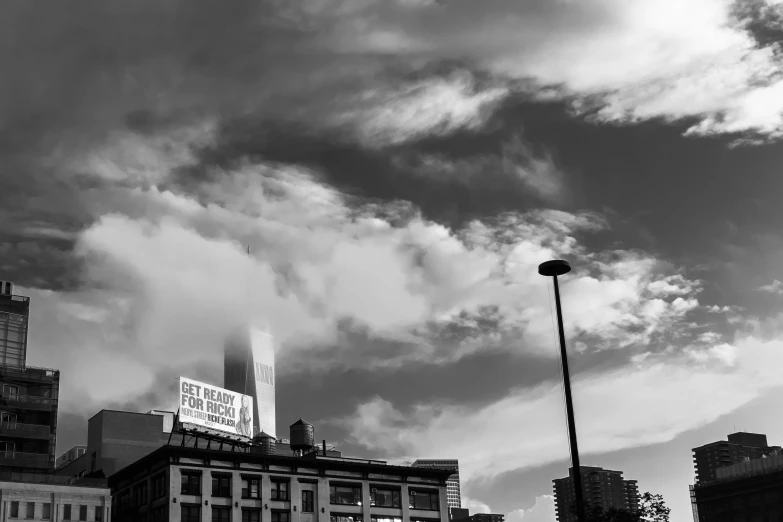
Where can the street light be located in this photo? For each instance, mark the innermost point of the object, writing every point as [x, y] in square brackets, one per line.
[553, 269]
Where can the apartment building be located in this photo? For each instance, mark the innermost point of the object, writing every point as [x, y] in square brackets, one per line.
[52, 498]
[600, 487]
[709, 458]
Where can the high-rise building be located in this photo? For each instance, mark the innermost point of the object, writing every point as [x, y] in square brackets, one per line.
[28, 396]
[249, 368]
[600, 487]
[453, 495]
[708, 458]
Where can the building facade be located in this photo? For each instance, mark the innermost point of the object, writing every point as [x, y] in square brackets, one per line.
[49, 500]
[28, 396]
[183, 484]
[741, 445]
[747, 491]
[453, 492]
[600, 487]
[249, 369]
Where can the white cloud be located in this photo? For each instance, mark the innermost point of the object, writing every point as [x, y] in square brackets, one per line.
[659, 398]
[389, 115]
[475, 506]
[542, 511]
[775, 287]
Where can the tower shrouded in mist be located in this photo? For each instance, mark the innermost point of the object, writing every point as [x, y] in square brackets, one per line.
[249, 368]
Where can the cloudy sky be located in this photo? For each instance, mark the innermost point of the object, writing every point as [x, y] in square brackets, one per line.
[399, 168]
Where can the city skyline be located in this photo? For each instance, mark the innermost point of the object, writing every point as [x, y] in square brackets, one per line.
[399, 169]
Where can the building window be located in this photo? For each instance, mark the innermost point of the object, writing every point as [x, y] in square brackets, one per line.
[279, 490]
[82, 512]
[159, 486]
[191, 513]
[9, 389]
[251, 515]
[345, 495]
[46, 511]
[191, 484]
[251, 487]
[99, 513]
[386, 519]
[67, 512]
[423, 500]
[140, 494]
[221, 514]
[385, 497]
[221, 486]
[30, 510]
[345, 518]
[280, 516]
[7, 447]
[14, 509]
[307, 501]
[7, 417]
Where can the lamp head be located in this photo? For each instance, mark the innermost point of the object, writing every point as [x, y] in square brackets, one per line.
[555, 267]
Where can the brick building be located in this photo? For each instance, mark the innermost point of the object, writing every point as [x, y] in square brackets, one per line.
[47, 498]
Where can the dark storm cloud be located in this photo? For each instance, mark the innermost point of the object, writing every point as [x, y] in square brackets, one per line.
[762, 20]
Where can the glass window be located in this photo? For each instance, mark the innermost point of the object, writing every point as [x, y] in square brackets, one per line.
[30, 510]
[191, 513]
[307, 501]
[345, 518]
[99, 513]
[191, 484]
[140, 493]
[423, 500]
[251, 487]
[221, 486]
[159, 486]
[14, 509]
[46, 511]
[385, 497]
[386, 519]
[67, 512]
[279, 490]
[221, 514]
[280, 516]
[345, 495]
[251, 515]
[83, 512]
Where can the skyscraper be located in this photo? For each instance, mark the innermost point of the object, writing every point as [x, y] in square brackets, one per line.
[601, 487]
[452, 485]
[249, 368]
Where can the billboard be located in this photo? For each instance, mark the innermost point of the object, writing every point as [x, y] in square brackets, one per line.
[263, 348]
[215, 408]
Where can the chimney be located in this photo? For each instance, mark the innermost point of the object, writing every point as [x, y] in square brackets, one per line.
[324, 447]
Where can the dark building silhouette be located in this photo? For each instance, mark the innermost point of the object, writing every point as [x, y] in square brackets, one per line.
[28, 396]
[601, 487]
[709, 458]
[747, 491]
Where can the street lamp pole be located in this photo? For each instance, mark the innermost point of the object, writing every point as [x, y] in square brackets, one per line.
[553, 269]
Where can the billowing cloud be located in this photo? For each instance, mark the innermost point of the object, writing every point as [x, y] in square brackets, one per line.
[775, 287]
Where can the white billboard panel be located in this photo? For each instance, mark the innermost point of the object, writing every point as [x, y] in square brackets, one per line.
[215, 408]
[263, 347]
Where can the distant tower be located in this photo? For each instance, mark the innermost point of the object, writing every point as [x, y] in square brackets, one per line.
[249, 368]
[14, 315]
